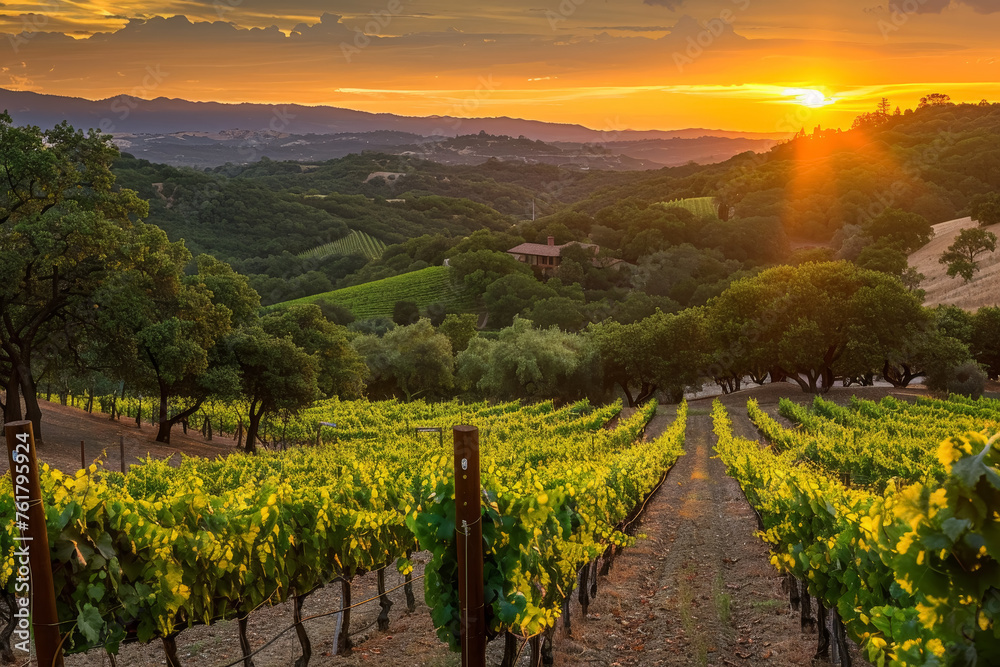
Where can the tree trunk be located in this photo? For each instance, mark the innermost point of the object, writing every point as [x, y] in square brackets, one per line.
[828, 380]
[163, 434]
[166, 423]
[807, 384]
[628, 394]
[30, 394]
[647, 392]
[12, 410]
[890, 375]
[252, 427]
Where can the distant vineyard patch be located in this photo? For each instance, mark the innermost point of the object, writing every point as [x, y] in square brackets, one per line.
[377, 298]
[698, 205]
[355, 243]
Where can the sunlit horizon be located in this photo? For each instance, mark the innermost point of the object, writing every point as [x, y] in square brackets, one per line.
[767, 67]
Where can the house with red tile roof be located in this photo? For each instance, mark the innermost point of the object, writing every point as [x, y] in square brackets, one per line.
[548, 256]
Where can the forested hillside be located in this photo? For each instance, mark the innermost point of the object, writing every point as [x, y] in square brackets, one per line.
[867, 195]
[932, 162]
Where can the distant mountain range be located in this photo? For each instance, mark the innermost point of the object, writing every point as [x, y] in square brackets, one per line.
[205, 134]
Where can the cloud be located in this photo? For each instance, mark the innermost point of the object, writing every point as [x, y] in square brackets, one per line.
[983, 6]
[689, 28]
[937, 6]
[632, 28]
[669, 4]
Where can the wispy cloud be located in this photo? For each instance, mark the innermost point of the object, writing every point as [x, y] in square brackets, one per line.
[669, 4]
[606, 59]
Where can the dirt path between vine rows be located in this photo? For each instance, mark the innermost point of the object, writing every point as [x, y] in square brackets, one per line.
[700, 590]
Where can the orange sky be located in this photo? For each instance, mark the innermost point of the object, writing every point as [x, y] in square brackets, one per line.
[639, 64]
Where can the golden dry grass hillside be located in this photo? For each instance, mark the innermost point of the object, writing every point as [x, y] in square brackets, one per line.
[984, 290]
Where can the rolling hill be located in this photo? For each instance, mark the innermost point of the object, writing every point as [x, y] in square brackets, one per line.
[165, 115]
[377, 298]
[207, 134]
[984, 290]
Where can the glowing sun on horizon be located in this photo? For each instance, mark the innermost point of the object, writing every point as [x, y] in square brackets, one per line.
[809, 97]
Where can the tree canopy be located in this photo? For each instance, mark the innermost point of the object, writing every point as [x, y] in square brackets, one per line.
[802, 321]
[961, 255]
[528, 363]
[64, 231]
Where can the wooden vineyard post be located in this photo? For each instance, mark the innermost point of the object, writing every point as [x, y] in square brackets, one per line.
[32, 563]
[469, 540]
[121, 450]
[83, 455]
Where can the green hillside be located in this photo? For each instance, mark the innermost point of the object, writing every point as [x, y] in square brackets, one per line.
[377, 298]
[355, 243]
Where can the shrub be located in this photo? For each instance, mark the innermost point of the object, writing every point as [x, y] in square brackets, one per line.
[966, 379]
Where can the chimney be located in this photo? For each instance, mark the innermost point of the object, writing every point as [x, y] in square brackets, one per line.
[552, 240]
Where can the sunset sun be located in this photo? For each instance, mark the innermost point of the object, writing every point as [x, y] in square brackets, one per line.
[809, 97]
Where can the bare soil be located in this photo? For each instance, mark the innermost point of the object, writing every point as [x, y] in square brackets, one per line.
[697, 589]
[63, 427]
[983, 290]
